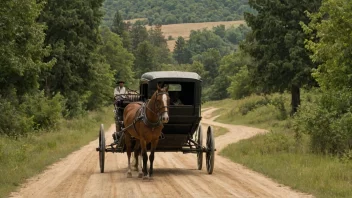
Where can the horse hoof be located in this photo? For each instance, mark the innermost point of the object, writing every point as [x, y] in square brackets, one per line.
[140, 175]
[145, 177]
[129, 175]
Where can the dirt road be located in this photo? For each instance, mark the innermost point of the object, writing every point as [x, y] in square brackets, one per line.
[175, 174]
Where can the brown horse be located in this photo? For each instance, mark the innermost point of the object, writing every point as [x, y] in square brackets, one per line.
[144, 121]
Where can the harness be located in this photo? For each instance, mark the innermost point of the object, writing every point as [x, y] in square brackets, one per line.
[141, 114]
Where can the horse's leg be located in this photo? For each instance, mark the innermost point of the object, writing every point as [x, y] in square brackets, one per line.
[145, 158]
[136, 155]
[140, 168]
[154, 143]
[128, 149]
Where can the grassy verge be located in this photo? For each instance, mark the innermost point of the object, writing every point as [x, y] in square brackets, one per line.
[23, 158]
[277, 154]
[218, 131]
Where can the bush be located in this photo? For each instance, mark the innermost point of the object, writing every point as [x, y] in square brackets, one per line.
[45, 112]
[277, 142]
[252, 103]
[13, 122]
[33, 113]
[240, 84]
[328, 121]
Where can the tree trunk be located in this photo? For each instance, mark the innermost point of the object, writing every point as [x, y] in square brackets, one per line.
[295, 99]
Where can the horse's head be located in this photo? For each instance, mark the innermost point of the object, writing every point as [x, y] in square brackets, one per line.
[162, 101]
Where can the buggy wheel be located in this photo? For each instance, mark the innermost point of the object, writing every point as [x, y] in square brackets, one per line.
[210, 150]
[200, 148]
[101, 148]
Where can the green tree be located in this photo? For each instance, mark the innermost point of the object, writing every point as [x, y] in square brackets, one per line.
[157, 39]
[23, 107]
[145, 58]
[211, 61]
[138, 33]
[219, 30]
[181, 52]
[331, 46]
[328, 119]
[118, 25]
[21, 47]
[240, 84]
[169, 11]
[120, 28]
[198, 67]
[202, 40]
[119, 59]
[229, 67]
[73, 34]
[277, 45]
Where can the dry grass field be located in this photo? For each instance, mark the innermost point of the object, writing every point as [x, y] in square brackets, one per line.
[184, 29]
[137, 19]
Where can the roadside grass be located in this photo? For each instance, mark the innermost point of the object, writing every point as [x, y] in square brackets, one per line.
[218, 131]
[27, 156]
[277, 154]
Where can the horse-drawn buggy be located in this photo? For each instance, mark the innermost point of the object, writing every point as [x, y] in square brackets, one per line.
[163, 117]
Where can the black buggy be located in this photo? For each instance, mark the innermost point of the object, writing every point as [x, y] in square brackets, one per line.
[183, 132]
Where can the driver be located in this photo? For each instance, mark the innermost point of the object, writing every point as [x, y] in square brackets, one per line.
[120, 90]
[119, 96]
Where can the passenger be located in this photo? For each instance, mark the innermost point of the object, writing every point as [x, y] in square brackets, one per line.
[176, 100]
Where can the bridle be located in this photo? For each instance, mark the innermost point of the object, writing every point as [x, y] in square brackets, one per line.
[156, 106]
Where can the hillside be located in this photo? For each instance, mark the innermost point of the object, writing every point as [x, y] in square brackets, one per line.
[174, 12]
[184, 30]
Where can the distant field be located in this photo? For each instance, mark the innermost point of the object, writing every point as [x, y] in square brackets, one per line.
[184, 29]
[134, 20]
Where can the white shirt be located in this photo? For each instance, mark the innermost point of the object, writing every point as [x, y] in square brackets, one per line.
[119, 91]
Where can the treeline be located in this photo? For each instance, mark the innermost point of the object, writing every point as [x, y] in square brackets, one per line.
[59, 61]
[209, 52]
[172, 12]
[55, 62]
[214, 55]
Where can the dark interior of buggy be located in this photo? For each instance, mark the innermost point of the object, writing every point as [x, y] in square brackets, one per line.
[183, 90]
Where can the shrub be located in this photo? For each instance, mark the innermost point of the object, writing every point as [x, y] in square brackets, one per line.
[277, 142]
[328, 122]
[13, 122]
[45, 112]
[252, 103]
[240, 84]
[280, 102]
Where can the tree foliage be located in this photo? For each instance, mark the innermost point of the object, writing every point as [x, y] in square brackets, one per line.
[328, 120]
[145, 58]
[73, 33]
[22, 47]
[22, 51]
[277, 45]
[233, 79]
[171, 12]
[181, 54]
[119, 59]
[214, 51]
[332, 45]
